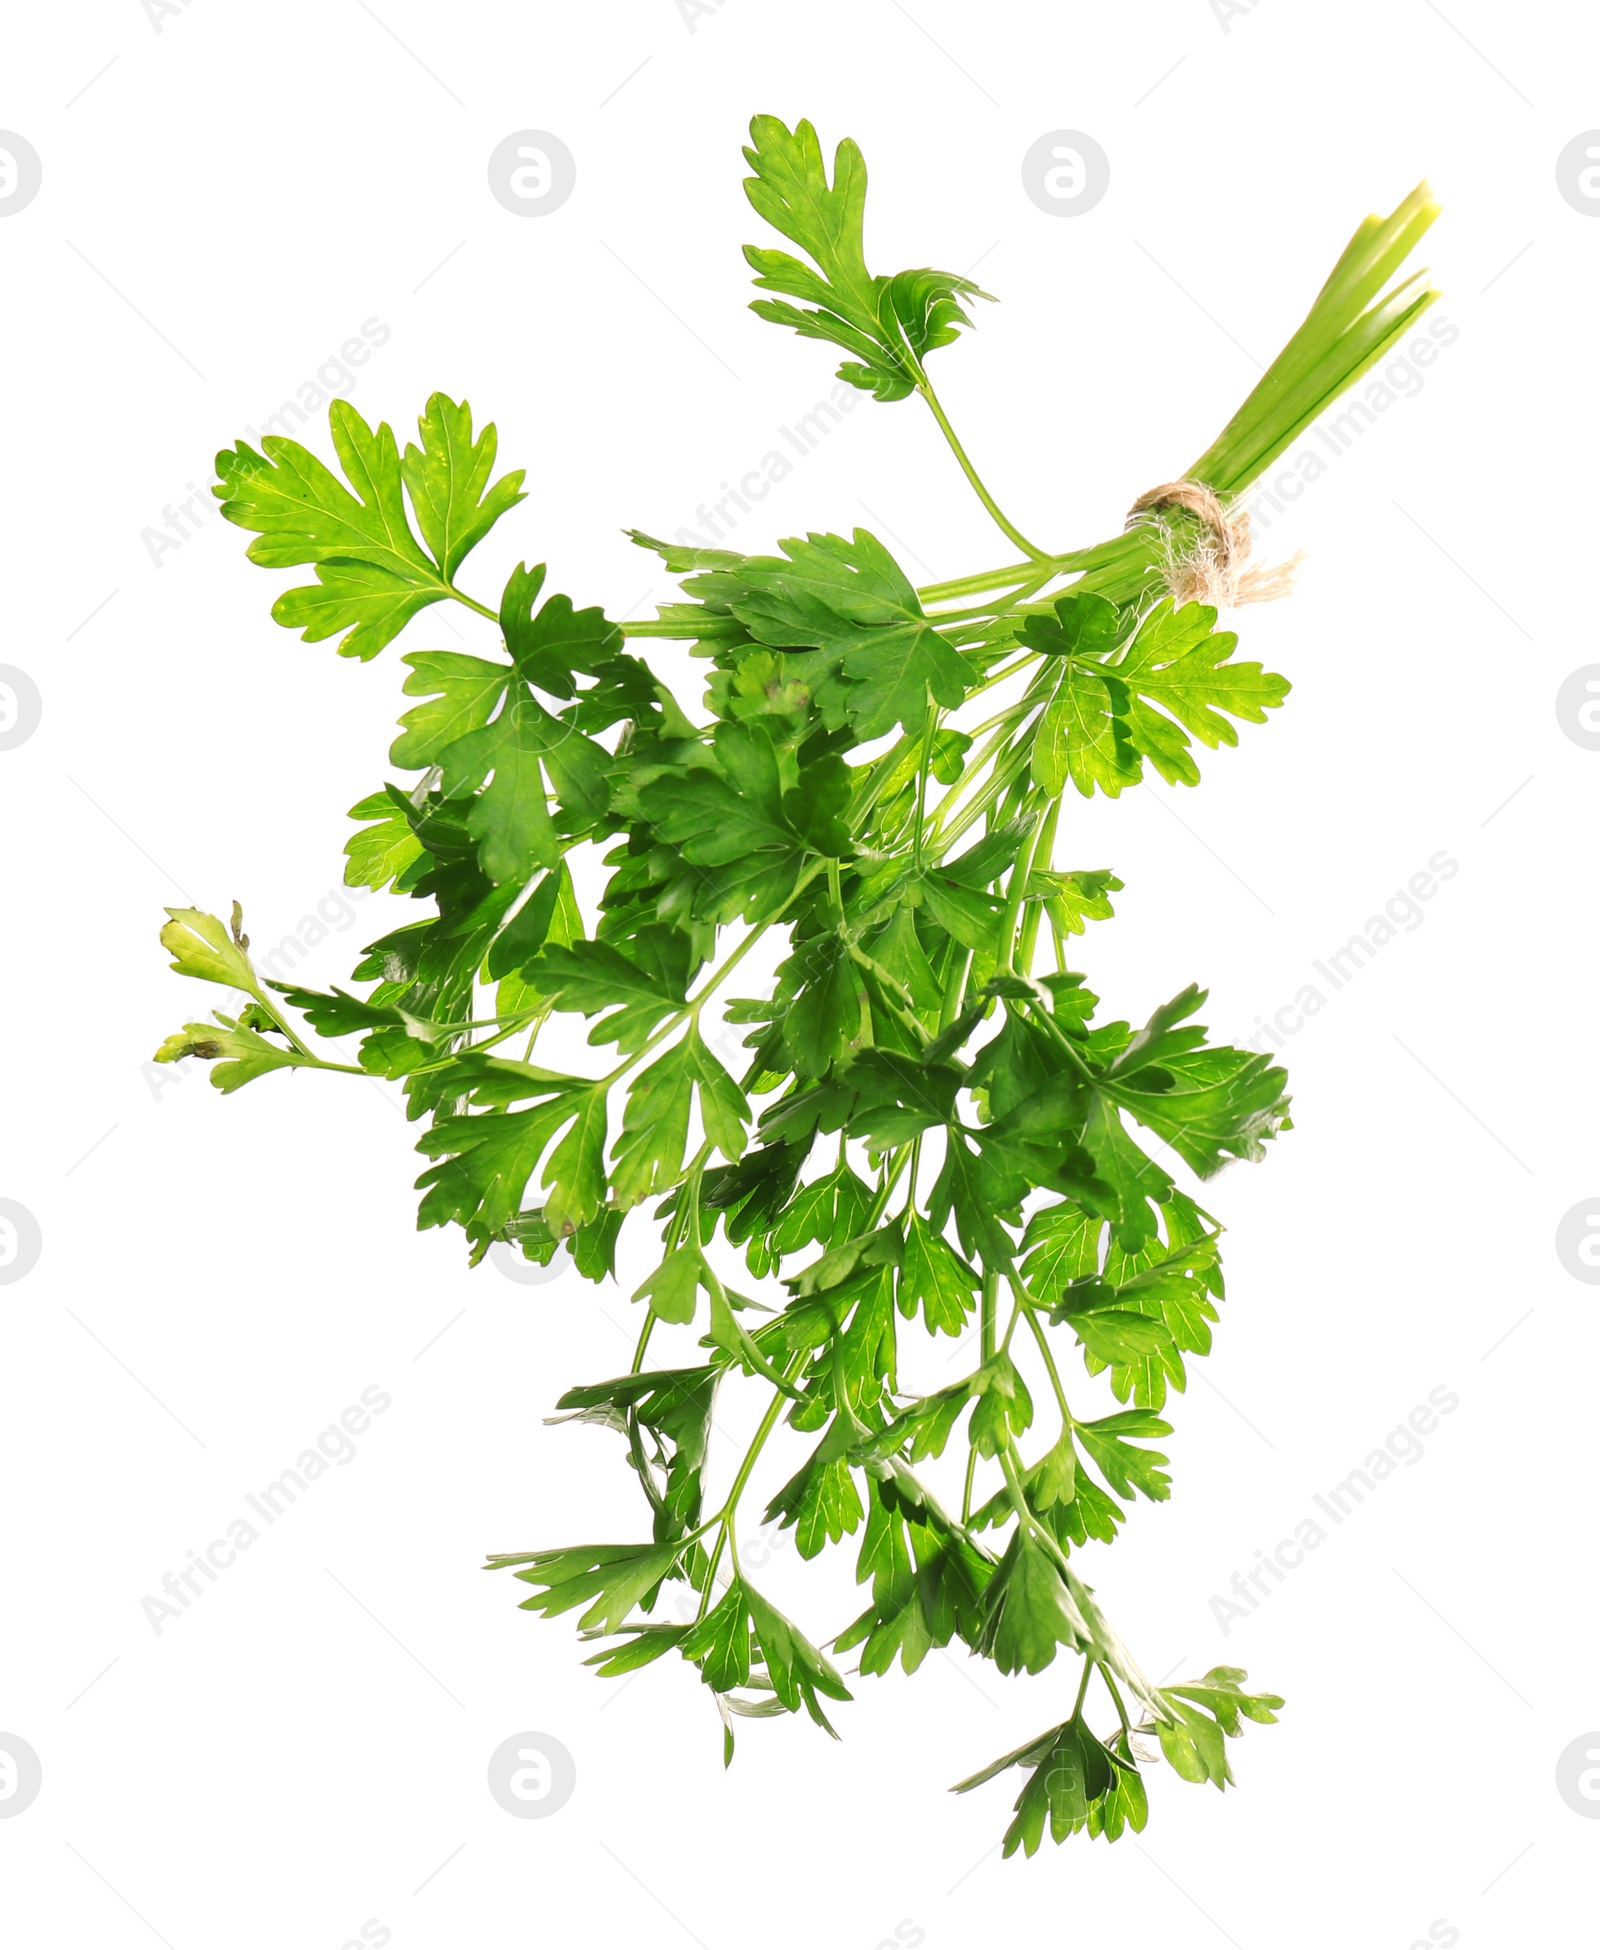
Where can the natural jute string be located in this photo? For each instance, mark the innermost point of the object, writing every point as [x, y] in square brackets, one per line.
[1213, 569]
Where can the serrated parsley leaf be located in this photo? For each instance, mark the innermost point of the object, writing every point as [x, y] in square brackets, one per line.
[890, 324]
[488, 1160]
[1071, 899]
[462, 692]
[672, 1289]
[850, 599]
[1080, 735]
[510, 817]
[749, 821]
[238, 1055]
[798, 1672]
[373, 575]
[1181, 680]
[642, 987]
[1126, 1466]
[1029, 1611]
[1078, 1782]
[1195, 1718]
[1212, 1104]
[609, 1579]
[820, 1500]
[447, 478]
[934, 1280]
[1135, 688]
[202, 946]
[549, 645]
[655, 1128]
[383, 850]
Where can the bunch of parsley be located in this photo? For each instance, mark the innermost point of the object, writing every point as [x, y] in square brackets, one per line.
[936, 1130]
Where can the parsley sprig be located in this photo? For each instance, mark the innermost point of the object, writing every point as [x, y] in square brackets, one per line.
[928, 1126]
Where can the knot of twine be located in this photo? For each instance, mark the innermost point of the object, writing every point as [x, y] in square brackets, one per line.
[1212, 569]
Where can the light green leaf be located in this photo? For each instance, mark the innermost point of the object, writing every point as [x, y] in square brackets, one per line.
[889, 323]
[372, 574]
[935, 1279]
[649, 1151]
[672, 1288]
[382, 851]
[1080, 737]
[201, 946]
[448, 481]
[238, 1055]
[462, 694]
[576, 1173]
[724, 1108]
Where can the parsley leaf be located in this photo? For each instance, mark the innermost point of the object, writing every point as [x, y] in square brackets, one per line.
[851, 599]
[1131, 688]
[373, 575]
[238, 1053]
[447, 478]
[890, 324]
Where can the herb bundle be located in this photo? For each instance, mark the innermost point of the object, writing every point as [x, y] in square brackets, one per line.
[933, 1135]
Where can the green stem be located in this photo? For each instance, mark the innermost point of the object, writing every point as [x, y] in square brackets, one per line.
[680, 1218]
[911, 1187]
[966, 1494]
[987, 579]
[1062, 1041]
[956, 993]
[1008, 529]
[636, 1453]
[890, 1179]
[1016, 887]
[769, 1422]
[644, 1342]
[1039, 861]
[263, 1002]
[998, 783]
[834, 891]
[930, 730]
[1026, 1520]
[1043, 1339]
[895, 996]
[999, 729]
[1116, 1699]
[697, 1002]
[730, 1508]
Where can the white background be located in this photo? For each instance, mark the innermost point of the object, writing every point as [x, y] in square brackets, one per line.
[299, 1753]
